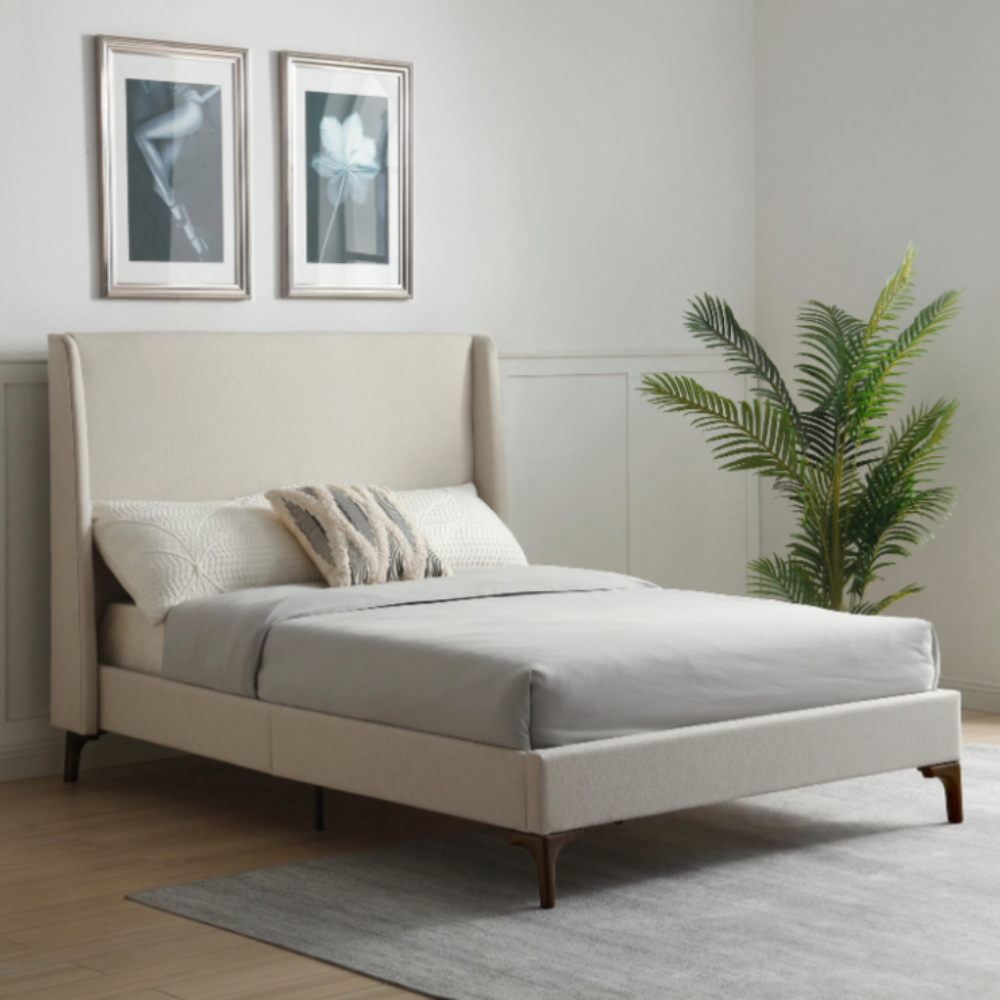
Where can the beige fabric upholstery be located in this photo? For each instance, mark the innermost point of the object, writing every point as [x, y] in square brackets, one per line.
[128, 639]
[188, 718]
[74, 614]
[541, 791]
[489, 460]
[201, 416]
[457, 777]
[591, 783]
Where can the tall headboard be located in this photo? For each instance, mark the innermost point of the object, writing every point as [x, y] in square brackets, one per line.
[199, 416]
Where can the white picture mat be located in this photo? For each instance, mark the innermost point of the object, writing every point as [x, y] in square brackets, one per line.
[370, 83]
[172, 69]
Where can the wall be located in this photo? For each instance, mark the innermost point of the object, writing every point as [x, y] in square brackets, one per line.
[580, 167]
[878, 122]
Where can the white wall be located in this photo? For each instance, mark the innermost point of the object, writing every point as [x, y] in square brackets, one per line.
[878, 122]
[580, 167]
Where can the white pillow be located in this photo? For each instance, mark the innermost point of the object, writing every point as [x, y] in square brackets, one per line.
[462, 529]
[164, 553]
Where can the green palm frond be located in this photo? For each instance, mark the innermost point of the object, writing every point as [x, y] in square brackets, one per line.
[894, 298]
[833, 342]
[784, 580]
[879, 392]
[712, 321]
[877, 607]
[863, 498]
[756, 435]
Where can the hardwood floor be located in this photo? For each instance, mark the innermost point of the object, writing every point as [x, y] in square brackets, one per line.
[70, 854]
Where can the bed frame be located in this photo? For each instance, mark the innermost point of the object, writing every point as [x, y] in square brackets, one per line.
[200, 416]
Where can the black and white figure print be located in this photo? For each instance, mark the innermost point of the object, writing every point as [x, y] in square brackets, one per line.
[175, 204]
[346, 184]
[175, 182]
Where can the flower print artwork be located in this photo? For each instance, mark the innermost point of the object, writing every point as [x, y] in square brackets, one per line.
[347, 217]
[346, 178]
[348, 161]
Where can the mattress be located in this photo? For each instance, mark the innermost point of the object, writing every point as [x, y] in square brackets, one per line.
[127, 639]
[538, 657]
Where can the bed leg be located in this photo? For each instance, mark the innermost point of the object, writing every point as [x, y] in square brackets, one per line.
[319, 812]
[545, 850]
[951, 777]
[75, 742]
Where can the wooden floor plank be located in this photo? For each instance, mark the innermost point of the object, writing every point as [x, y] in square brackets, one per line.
[9, 950]
[70, 854]
[128, 918]
[159, 952]
[53, 976]
[277, 971]
[242, 961]
[317, 989]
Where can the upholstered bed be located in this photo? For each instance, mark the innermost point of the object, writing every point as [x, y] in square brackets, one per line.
[187, 417]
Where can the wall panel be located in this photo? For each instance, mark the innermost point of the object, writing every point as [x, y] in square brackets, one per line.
[602, 479]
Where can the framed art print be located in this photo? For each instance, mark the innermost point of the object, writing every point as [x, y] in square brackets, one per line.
[346, 169]
[173, 131]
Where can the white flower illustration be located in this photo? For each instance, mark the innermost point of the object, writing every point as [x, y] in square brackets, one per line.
[348, 161]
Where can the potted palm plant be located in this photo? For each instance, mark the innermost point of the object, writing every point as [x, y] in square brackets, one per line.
[862, 491]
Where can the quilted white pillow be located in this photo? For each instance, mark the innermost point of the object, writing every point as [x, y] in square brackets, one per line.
[164, 553]
[462, 529]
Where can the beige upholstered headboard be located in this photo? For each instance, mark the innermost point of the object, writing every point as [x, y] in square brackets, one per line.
[196, 416]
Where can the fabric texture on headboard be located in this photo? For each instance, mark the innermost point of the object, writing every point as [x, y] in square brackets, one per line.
[199, 416]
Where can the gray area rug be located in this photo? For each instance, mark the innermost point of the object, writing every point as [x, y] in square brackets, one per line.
[853, 890]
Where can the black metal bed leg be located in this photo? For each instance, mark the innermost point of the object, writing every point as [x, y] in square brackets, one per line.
[319, 816]
[75, 742]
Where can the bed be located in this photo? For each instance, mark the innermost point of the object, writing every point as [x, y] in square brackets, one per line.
[189, 416]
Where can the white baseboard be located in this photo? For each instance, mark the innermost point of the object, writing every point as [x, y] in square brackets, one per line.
[979, 696]
[36, 760]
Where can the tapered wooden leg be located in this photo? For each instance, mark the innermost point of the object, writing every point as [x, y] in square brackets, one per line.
[319, 812]
[545, 850]
[74, 748]
[951, 777]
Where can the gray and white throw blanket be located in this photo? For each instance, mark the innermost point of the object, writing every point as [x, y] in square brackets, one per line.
[539, 656]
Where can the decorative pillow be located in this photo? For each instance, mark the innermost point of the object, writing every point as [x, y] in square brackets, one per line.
[463, 530]
[167, 552]
[357, 534]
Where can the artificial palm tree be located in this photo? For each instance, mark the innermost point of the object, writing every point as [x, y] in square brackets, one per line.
[862, 494]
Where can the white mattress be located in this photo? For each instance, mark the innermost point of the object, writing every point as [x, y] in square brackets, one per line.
[127, 639]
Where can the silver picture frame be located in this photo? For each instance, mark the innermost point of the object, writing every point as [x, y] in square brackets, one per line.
[363, 250]
[174, 191]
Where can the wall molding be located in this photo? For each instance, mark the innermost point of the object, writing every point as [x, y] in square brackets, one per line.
[978, 696]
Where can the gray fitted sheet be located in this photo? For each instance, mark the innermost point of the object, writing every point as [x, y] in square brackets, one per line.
[536, 657]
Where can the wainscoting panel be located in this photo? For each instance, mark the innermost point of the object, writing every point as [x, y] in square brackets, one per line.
[567, 436]
[24, 541]
[29, 746]
[600, 478]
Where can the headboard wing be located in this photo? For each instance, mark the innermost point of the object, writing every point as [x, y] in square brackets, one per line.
[197, 416]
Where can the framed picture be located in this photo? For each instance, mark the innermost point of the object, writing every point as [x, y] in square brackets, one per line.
[174, 199]
[347, 177]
